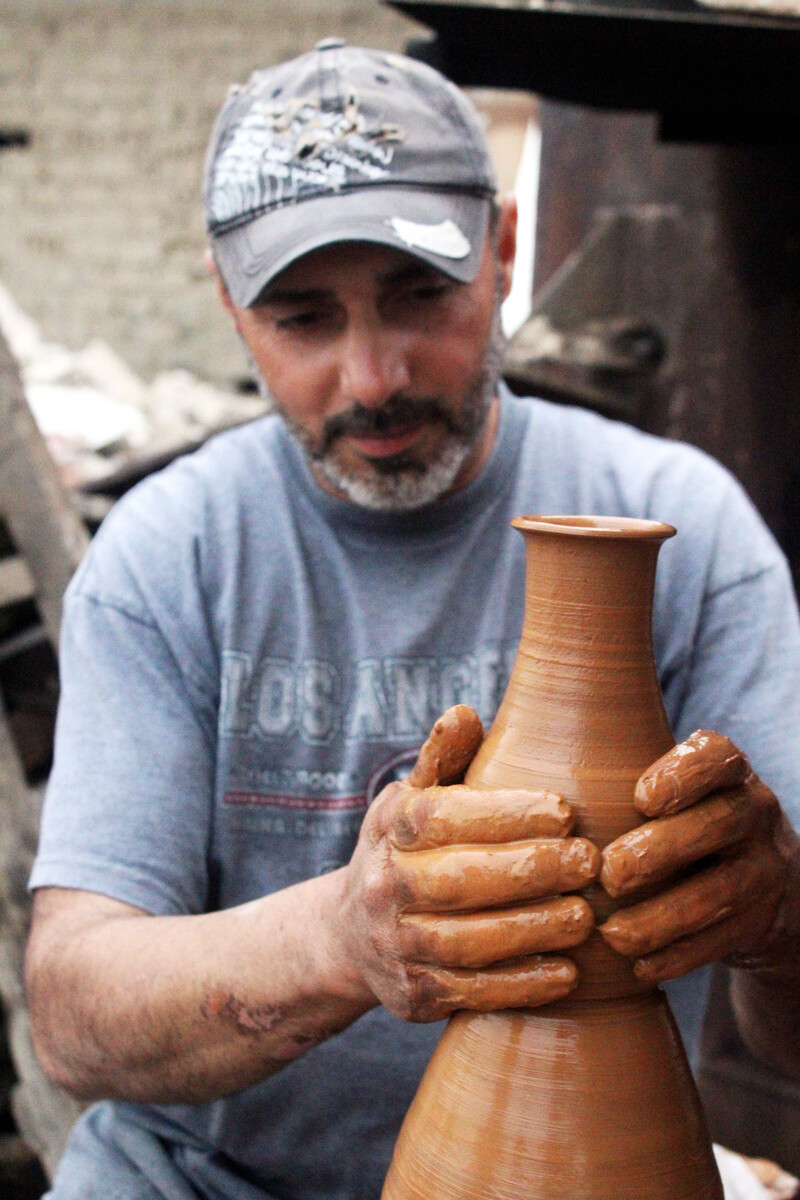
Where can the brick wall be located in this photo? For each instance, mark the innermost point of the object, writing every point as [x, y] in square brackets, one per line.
[100, 224]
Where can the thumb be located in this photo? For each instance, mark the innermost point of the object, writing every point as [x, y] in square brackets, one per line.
[449, 748]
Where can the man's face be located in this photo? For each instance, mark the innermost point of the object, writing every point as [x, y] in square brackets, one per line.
[384, 369]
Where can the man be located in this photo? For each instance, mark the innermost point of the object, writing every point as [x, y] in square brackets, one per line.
[226, 950]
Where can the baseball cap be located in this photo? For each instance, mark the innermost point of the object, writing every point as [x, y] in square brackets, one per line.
[345, 144]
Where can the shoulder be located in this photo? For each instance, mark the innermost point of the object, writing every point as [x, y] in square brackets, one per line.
[584, 440]
[177, 525]
[590, 463]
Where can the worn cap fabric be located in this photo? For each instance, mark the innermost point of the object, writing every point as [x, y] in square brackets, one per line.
[345, 144]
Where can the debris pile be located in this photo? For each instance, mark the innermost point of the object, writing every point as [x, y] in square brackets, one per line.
[101, 421]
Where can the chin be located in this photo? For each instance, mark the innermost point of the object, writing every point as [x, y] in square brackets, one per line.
[398, 486]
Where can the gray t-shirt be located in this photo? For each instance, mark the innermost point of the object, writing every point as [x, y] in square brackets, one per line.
[246, 662]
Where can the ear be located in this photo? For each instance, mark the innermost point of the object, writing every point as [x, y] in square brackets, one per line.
[225, 298]
[507, 240]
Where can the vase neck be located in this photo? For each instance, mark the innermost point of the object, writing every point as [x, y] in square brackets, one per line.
[584, 686]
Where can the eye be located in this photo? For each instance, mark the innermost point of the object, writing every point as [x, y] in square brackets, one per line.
[306, 319]
[429, 291]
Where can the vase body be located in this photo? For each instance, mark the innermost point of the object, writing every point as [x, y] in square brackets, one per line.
[589, 1098]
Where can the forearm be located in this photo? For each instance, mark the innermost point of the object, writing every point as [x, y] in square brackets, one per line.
[768, 1017]
[186, 1009]
[766, 1001]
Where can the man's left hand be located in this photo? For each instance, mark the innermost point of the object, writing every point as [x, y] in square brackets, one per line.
[708, 875]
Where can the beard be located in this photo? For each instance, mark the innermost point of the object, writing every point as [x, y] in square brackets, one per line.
[399, 483]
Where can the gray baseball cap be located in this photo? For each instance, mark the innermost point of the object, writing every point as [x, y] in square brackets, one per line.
[345, 144]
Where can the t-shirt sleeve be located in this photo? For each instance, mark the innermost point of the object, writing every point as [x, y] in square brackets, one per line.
[745, 678]
[741, 675]
[129, 803]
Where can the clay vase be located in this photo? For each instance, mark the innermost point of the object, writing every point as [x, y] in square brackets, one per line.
[589, 1098]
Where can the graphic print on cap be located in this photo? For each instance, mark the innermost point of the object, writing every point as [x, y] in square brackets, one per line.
[445, 238]
[281, 153]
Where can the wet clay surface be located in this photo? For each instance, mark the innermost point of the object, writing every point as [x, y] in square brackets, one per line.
[488, 876]
[472, 941]
[440, 816]
[448, 750]
[590, 1097]
[681, 839]
[687, 772]
[526, 1132]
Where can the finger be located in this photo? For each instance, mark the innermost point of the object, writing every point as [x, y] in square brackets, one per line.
[654, 851]
[449, 748]
[474, 877]
[705, 762]
[540, 979]
[707, 898]
[779, 1183]
[457, 815]
[478, 939]
[721, 941]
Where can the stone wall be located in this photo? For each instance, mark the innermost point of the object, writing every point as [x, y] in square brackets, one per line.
[100, 223]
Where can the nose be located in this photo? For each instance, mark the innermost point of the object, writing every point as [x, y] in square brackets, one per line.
[374, 366]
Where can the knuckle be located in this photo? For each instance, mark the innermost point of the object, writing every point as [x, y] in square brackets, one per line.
[426, 995]
[565, 814]
[410, 815]
[414, 941]
[384, 807]
[375, 892]
[584, 857]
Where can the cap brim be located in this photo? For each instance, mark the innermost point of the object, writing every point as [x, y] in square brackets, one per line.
[420, 223]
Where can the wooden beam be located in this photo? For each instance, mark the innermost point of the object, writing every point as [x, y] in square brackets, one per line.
[44, 1114]
[36, 507]
[16, 582]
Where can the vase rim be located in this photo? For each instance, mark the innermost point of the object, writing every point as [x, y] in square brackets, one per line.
[594, 526]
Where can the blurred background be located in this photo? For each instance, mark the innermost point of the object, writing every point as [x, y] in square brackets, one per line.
[105, 108]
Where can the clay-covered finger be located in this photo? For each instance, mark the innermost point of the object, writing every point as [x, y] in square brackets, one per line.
[533, 981]
[654, 851]
[727, 938]
[449, 816]
[478, 939]
[464, 878]
[704, 763]
[710, 896]
[449, 748]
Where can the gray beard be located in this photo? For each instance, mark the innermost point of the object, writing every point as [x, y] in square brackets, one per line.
[405, 487]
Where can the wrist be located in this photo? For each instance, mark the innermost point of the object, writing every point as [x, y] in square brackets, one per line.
[338, 926]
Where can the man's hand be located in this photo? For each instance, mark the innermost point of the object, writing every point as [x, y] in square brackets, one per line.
[448, 882]
[720, 857]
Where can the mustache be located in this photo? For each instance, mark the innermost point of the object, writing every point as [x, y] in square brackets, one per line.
[399, 412]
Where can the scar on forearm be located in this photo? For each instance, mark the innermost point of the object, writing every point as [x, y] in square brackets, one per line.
[248, 1019]
[252, 1021]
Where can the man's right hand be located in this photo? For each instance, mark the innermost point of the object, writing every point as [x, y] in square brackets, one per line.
[456, 898]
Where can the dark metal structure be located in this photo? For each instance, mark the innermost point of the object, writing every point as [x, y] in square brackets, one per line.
[701, 68]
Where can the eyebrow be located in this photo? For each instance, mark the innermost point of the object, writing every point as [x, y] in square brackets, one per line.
[411, 271]
[294, 296]
[407, 273]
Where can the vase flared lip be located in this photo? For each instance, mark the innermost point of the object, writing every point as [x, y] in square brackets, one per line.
[595, 526]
